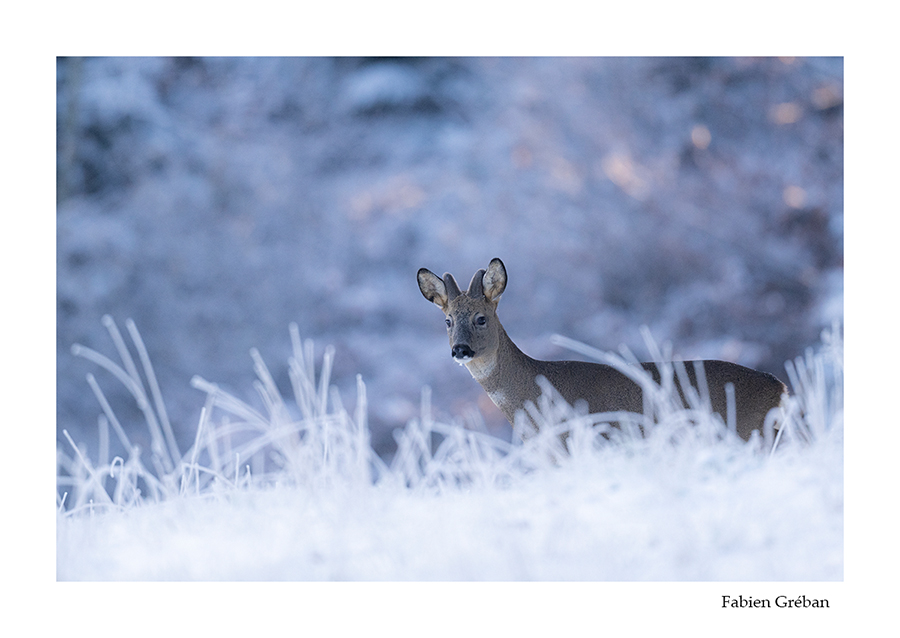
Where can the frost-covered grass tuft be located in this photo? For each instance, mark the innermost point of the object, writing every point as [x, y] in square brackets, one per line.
[313, 442]
[293, 491]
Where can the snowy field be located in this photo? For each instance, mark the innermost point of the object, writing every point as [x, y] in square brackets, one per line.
[295, 492]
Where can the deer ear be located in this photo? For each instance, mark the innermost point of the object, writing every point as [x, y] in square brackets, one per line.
[433, 288]
[494, 280]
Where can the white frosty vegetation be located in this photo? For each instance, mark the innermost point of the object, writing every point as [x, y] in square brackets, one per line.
[295, 492]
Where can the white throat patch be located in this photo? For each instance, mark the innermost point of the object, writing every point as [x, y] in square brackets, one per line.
[481, 369]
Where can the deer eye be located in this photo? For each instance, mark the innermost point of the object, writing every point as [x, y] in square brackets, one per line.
[480, 320]
[447, 321]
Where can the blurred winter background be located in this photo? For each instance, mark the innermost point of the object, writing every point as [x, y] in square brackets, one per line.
[217, 200]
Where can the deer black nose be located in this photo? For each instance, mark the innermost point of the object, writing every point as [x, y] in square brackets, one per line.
[462, 351]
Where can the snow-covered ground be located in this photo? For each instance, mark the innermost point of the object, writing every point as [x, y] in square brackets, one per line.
[295, 492]
[719, 515]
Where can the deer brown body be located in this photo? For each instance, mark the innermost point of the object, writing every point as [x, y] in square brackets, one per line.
[509, 376]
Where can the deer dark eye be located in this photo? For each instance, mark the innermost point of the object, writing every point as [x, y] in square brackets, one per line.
[447, 321]
[480, 320]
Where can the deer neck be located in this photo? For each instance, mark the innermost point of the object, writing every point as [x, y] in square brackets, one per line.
[504, 374]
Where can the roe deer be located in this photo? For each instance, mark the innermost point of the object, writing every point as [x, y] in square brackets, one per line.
[478, 340]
